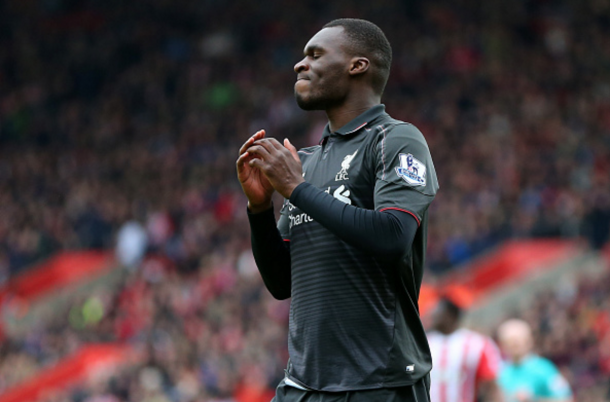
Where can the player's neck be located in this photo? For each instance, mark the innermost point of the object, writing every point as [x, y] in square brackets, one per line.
[447, 330]
[517, 360]
[341, 115]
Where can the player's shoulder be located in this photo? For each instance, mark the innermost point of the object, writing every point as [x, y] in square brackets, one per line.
[306, 152]
[476, 339]
[541, 364]
[433, 334]
[478, 335]
[473, 336]
[436, 340]
[538, 367]
[545, 372]
[391, 129]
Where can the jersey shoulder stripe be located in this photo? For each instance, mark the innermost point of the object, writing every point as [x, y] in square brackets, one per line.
[307, 152]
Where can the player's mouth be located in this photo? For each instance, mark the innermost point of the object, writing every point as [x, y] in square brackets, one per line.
[301, 84]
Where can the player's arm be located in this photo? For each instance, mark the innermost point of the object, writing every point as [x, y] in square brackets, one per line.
[490, 391]
[487, 373]
[271, 253]
[555, 388]
[405, 175]
[384, 234]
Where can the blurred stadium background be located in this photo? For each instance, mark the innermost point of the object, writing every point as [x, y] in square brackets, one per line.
[125, 267]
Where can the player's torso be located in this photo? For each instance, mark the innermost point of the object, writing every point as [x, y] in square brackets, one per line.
[343, 167]
[456, 358]
[518, 382]
[343, 308]
[525, 380]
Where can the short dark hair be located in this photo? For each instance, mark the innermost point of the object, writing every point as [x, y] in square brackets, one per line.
[368, 40]
[451, 307]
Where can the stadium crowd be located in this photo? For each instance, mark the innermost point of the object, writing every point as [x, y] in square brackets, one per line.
[572, 328]
[120, 113]
[218, 336]
[110, 109]
[214, 335]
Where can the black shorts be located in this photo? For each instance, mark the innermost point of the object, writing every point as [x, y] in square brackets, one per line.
[418, 392]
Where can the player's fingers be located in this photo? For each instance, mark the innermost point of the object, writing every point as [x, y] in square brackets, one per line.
[257, 163]
[271, 144]
[257, 136]
[259, 150]
[275, 143]
[266, 144]
[292, 149]
[241, 160]
[246, 145]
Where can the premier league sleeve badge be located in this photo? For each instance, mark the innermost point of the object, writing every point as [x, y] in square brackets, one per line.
[411, 170]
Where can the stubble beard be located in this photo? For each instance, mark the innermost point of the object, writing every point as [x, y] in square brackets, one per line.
[309, 104]
[323, 100]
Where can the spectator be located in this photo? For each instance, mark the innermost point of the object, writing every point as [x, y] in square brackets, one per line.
[132, 241]
[528, 377]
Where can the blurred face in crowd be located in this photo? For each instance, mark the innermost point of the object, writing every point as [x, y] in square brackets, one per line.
[323, 74]
[439, 317]
[515, 338]
[443, 318]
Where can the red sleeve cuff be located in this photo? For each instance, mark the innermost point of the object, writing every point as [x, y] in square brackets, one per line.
[403, 210]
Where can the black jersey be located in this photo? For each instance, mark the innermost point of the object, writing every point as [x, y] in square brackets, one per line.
[354, 318]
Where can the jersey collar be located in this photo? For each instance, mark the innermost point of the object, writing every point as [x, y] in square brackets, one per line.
[358, 122]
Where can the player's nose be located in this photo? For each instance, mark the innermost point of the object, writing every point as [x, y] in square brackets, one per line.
[301, 66]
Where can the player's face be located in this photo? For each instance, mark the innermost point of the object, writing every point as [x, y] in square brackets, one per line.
[440, 318]
[323, 74]
[437, 317]
[516, 345]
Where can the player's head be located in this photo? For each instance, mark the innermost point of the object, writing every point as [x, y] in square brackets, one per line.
[346, 55]
[446, 316]
[515, 338]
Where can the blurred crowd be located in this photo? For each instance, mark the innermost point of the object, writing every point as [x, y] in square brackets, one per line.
[571, 326]
[112, 111]
[218, 336]
[120, 122]
[213, 335]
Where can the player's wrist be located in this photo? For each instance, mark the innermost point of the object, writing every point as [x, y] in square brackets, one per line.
[292, 187]
[258, 208]
[294, 194]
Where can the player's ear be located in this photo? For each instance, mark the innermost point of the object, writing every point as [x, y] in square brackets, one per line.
[359, 65]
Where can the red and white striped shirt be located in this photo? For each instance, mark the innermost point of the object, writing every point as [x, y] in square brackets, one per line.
[461, 361]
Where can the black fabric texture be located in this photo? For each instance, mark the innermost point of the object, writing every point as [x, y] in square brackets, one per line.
[271, 253]
[387, 234]
[418, 392]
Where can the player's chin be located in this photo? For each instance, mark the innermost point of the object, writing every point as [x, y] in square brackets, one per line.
[305, 102]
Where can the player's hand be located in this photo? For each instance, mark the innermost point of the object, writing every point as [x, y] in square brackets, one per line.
[280, 164]
[253, 182]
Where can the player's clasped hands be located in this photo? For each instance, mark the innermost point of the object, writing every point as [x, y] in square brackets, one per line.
[265, 165]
